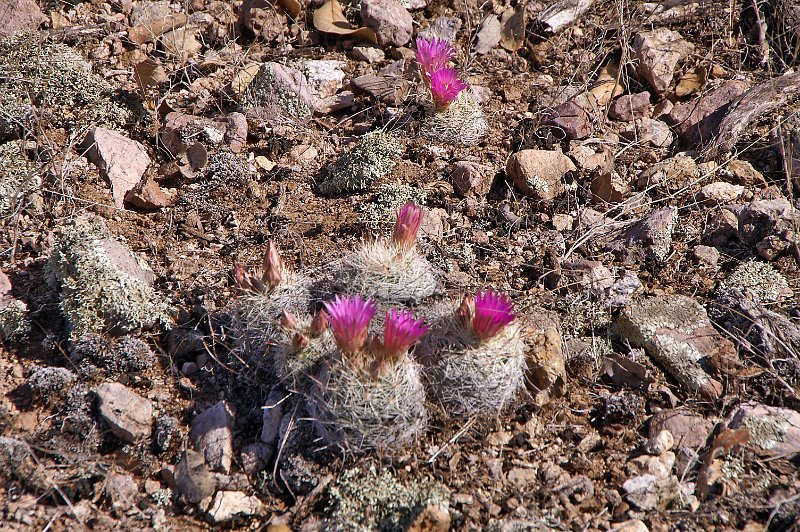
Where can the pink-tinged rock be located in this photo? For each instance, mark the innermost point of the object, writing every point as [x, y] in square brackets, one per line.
[121, 160]
[677, 334]
[697, 121]
[128, 414]
[391, 22]
[658, 53]
[472, 178]
[648, 239]
[649, 131]
[17, 16]
[539, 173]
[212, 435]
[262, 19]
[774, 431]
[572, 120]
[687, 429]
[630, 106]
[325, 75]
[149, 196]
[230, 130]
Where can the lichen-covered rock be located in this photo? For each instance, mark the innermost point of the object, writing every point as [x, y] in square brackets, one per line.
[50, 384]
[375, 156]
[104, 286]
[677, 333]
[277, 95]
[539, 173]
[761, 279]
[18, 176]
[96, 352]
[51, 82]
[773, 430]
[363, 500]
[649, 239]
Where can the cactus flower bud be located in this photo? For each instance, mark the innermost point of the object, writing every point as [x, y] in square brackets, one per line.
[299, 341]
[288, 321]
[239, 275]
[406, 226]
[319, 324]
[273, 266]
[466, 310]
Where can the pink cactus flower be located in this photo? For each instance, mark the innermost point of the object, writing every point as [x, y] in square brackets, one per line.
[445, 87]
[400, 333]
[492, 312]
[349, 318]
[406, 226]
[433, 55]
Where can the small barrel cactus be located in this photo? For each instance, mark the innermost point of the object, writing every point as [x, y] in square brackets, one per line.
[477, 356]
[266, 293]
[370, 396]
[392, 271]
[454, 112]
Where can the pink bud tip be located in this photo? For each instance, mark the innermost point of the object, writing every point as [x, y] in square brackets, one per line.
[492, 312]
[433, 55]
[406, 226]
[349, 318]
[273, 266]
[445, 86]
[400, 332]
[466, 310]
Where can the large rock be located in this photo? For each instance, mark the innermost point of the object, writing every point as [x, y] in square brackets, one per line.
[629, 107]
[472, 178]
[488, 35]
[121, 160]
[539, 173]
[676, 332]
[571, 120]
[649, 239]
[697, 121]
[687, 429]
[193, 480]
[17, 16]
[774, 431]
[212, 435]
[658, 53]
[391, 22]
[129, 415]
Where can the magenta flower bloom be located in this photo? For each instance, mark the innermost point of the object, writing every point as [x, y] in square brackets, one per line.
[492, 313]
[401, 332]
[445, 86]
[406, 226]
[433, 55]
[349, 318]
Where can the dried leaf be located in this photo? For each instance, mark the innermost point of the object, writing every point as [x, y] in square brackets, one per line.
[512, 28]
[330, 19]
[291, 7]
[242, 79]
[625, 372]
[711, 471]
[692, 82]
[149, 32]
[150, 73]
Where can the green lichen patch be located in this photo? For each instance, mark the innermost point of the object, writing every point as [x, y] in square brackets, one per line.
[104, 286]
[18, 176]
[364, 500]
[375, 156]
[14, 322]
[49, 81]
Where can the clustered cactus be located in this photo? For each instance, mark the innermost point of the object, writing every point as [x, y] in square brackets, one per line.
[364, 361]
[456, 116]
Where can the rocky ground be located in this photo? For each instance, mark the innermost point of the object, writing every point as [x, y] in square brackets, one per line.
[633, 194]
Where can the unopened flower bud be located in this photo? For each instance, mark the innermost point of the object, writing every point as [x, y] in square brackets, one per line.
[239, 276]
[466, 310]
[288, 321]
[406, 226]
[299, 341]
[273, 266]
[319, 324]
